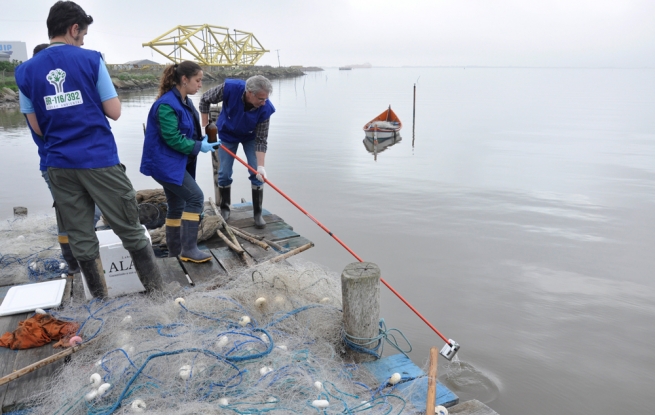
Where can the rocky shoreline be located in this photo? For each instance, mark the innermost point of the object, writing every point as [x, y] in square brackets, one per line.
[8, 98]
[148, 77]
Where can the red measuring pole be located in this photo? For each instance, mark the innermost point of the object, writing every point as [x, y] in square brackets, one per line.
[411, 307]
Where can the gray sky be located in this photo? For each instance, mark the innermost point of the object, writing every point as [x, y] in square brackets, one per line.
[383, 32]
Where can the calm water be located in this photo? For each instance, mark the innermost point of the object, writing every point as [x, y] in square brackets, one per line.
[521, 223]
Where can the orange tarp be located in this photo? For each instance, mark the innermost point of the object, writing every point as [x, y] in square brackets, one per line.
[37, 331]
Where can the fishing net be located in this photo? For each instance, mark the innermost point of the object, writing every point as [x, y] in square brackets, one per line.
[267, 342]
[29, 251]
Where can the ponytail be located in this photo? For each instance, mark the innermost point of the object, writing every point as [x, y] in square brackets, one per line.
[173, 75]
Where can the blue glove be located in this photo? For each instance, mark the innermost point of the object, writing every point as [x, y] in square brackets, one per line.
[206, 146]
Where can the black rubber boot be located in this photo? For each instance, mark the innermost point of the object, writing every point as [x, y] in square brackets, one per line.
[94, 275]
[73, 266]
[147, 269]
[173, 241]
[224, 193]
[257, 199]
[190, 251]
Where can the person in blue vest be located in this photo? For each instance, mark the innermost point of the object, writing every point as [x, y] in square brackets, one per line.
[62, 236]
[172, 143]
[67, 95]
[244, 119]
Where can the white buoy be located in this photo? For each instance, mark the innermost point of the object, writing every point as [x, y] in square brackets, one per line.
[365, 404]
[223, 402]
[395, 378]
[185, 372]
[99, 363]
[127, 320]
[63, 275]
[91, 395]
[103, 389]
[271, 399]
[221, 342]
[261, 301]
[440, 410]
[138, 405]
[179, 300]
[20, 237]
[243, 321]
[95, 380]
[62, 265]
[320, 403]
[282, 347]
[326, 300]
[128, 348]
[318, 385]
[265, 370]
[40, 311]
[264, 338]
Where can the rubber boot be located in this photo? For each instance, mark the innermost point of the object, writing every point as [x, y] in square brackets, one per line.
[94, 275]
[224, 193]
[173, 241]
[189, 238]
[67, 253]
[147, 269]
[257, 199]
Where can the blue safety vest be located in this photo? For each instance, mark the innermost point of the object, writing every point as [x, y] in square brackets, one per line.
[234, 124]
[61, 83]
[159, 160]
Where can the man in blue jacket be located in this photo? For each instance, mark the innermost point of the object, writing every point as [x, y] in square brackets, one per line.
[66, 94]
[244, 119]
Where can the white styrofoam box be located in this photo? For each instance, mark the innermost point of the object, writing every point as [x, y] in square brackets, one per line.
[29, 297]
[120, 274]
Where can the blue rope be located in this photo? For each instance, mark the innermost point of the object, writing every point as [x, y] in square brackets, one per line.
[386, 335]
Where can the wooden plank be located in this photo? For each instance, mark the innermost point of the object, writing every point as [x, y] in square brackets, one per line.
[382, 369]
[294, 242]
[228, 259]
[207, 271]
[171, 271]
[416, 392]
[274, 231]
[247, 221]
[472, 407]
[7, 356]
[21, 391]
[258, 253]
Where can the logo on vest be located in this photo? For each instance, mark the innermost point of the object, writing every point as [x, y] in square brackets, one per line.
[61, 99]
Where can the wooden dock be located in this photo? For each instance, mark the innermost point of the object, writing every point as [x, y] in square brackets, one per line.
[225, 263]
[17, 394]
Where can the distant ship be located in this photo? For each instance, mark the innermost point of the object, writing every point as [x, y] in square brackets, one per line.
[357, 66]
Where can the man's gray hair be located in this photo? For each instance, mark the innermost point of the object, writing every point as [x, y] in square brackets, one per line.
[257, 83]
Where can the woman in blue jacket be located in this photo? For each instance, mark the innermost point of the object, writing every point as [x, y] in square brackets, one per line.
[173, 141]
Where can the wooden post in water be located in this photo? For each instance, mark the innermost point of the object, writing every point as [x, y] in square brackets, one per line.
[20, 212]
[414, 117]
[432, 380]
[360, 290]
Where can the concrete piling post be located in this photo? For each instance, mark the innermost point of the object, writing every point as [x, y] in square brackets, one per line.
[360, 289]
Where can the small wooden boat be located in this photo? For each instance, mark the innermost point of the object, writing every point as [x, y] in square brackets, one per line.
[345, 68]
[384, 126]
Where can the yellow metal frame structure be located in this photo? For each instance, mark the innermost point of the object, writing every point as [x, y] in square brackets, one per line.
[209, 45]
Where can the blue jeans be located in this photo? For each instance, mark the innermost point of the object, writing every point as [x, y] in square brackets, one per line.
[226, 160]
[185, 198]
[62, 232]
